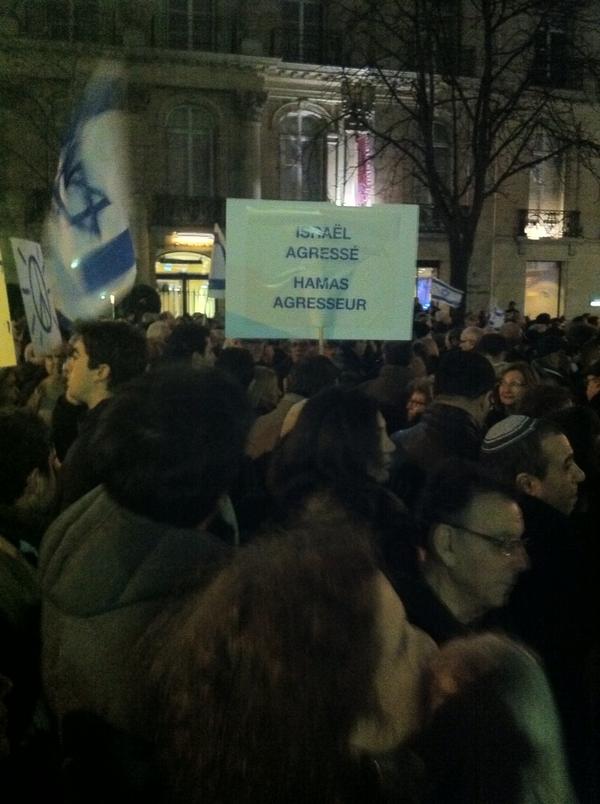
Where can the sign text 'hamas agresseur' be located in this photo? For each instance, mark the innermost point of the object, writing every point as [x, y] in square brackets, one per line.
[296, 268]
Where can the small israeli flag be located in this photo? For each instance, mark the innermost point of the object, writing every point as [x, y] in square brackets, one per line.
[90, 249]
[216, 282]
[442, 292]
[495, 317]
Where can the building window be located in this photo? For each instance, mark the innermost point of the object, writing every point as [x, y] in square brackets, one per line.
[73, 20]
[441, 158]
[302, 148]
[190, 150]
[546, 193]
[542, 288]
[551, 51]
[191, 24]
[301, 22]
[426, 271]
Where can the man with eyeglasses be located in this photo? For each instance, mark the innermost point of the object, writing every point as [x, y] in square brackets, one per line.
[471, 551]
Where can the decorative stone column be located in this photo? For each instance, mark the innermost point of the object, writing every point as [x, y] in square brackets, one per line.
[250, 107]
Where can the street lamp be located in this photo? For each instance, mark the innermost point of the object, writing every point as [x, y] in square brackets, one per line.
[358, 98]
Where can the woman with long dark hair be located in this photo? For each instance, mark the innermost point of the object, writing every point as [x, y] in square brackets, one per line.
[279, 681]
[335, 462]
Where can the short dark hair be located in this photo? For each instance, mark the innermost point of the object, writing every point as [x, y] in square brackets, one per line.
[184, 340]
[24, 446]
[310, 375]
[238, 363]
[542, 400]
[466, 374]
[265, 674]
[594, 369]
[492, 343]
[398, 353]
[172, 442]
[525, 455]
[118, 344]
[449, 492]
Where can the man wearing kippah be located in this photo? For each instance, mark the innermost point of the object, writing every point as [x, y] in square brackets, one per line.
[547, 608]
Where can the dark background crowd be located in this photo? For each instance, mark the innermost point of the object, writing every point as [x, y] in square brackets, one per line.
[297, 571]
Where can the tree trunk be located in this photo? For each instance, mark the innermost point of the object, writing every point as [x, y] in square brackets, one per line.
[460, 244]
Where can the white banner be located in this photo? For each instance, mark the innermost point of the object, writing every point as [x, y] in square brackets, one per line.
[37, 296]
[305, 269]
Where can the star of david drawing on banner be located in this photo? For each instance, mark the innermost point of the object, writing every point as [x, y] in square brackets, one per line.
[37, 296]
[40, 294]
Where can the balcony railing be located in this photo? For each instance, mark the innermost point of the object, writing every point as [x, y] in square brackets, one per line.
[430, 221]
[551, 223]
[316, 46]
[558, 73]
[181, 210]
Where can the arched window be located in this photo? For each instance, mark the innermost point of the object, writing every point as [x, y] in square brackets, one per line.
[190, 151]
[302, 149]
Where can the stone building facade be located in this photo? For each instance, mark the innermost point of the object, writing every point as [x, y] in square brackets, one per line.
[232, 99]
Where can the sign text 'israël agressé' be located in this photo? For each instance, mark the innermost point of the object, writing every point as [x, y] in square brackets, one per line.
[334, 253]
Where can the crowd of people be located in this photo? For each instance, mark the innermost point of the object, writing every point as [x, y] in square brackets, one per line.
[338, 572]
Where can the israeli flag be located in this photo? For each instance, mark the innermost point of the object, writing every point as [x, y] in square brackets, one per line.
[90, 249]
[495, 317]
[442, 292]
[216, 282]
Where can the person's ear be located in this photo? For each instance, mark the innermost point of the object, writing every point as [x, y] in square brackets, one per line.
[528, 484]
[442, 541]
[103, 372]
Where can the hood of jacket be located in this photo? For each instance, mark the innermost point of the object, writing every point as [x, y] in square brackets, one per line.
[98, 557]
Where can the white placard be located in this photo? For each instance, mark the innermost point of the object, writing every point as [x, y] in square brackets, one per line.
[37, 297]
[304, 269]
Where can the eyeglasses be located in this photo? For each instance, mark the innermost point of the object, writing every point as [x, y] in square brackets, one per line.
[507, 546]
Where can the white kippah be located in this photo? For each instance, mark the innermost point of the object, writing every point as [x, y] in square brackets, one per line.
[507, 432]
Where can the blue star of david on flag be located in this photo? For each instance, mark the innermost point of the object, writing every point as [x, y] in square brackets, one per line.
[90, 245]
[74, 196]
[440, 291]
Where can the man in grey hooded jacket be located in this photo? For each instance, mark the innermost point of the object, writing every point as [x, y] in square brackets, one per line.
[167, 449]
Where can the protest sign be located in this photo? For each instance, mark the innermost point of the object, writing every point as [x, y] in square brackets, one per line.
[8, 356]
[37, 298]
[309, 270]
